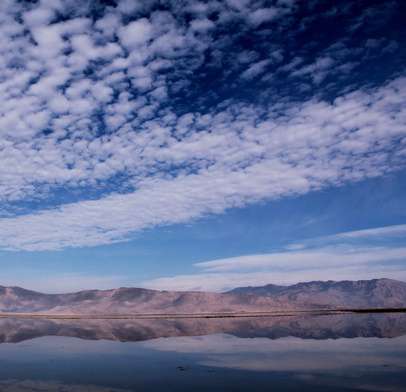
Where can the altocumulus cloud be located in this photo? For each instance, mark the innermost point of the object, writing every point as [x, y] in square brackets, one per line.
[154, 109]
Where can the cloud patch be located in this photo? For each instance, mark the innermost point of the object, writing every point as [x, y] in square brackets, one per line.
[142, 114]
[236, 160]
[337, 256]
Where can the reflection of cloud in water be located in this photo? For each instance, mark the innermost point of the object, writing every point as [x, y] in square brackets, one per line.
[51, 386]
[288, 354]
[362, 364]
[217, 362]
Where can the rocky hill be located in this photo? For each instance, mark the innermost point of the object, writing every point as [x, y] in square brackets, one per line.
[376, 293]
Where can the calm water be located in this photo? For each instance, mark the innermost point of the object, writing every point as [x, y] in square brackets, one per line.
[319, 353]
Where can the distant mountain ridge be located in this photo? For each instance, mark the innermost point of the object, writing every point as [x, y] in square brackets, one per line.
[375, 293]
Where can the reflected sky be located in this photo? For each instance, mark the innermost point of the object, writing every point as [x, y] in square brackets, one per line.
[205, 355]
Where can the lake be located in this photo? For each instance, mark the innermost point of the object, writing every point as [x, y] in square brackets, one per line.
[351, 352]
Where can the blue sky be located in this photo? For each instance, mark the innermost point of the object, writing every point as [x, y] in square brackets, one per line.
[201, 144]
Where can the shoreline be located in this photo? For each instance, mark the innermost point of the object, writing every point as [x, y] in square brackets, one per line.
[214, 315]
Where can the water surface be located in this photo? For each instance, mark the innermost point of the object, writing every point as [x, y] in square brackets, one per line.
[310, 353]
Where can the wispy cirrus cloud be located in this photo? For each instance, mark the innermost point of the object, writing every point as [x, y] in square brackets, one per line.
[331, 257]
[328, 257]
[219, 282]
[387, 231]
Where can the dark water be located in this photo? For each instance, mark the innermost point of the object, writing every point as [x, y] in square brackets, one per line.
[318, 353]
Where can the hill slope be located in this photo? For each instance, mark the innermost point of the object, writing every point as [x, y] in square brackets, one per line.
[376, 293]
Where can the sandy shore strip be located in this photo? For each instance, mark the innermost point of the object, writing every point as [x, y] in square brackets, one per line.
[315, 312]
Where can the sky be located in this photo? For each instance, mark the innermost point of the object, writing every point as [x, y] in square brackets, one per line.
[201, 145]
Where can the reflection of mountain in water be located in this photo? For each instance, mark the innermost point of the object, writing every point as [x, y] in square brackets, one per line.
[307, 327]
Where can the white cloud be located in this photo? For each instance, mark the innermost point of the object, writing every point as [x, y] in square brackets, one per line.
[81, 108]
[306, 259]
[202, 25]
[136, 33]
[219, 282]
[295, 264]
[317, 70]
[387, 231]
[38, 17]
[262, 15]
[255, 69]
[239, 161]
[223, 281]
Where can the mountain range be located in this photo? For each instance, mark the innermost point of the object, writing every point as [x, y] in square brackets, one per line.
[317, 295]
